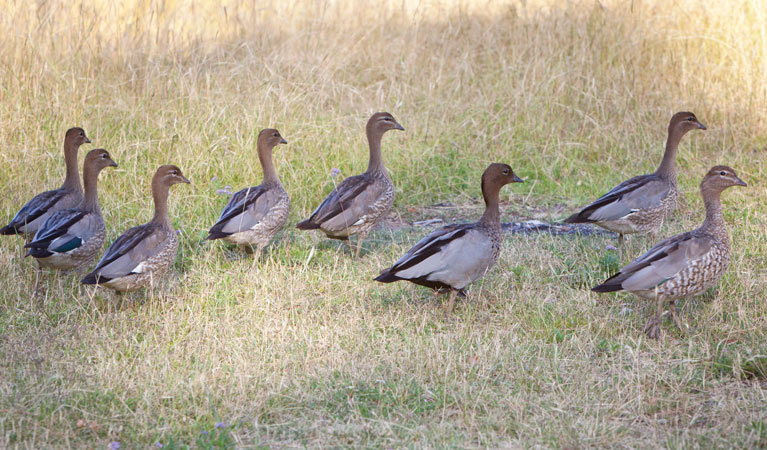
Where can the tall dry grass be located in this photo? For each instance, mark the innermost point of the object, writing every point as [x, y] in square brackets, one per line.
[302, 349]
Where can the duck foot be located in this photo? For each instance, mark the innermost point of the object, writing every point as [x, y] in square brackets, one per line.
[652, 328]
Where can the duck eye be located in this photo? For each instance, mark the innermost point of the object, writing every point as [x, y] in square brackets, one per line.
[723, 173]
[81, 133]
[505, 171]
[388, 119]
[276, 134]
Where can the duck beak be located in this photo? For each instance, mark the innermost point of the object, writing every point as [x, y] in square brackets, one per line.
[185, 180]
[701, 126]
[87, 141]
[517, 179]
[283, 141]
[739, 182]
[113, 164]
[397, 126]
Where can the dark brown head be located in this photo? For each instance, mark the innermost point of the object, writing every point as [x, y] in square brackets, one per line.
[98, 159]
[167, 176]
[76, 137]
[381, 122]
[720, 178]
[270, 138]
[496, 176]
[682, 122]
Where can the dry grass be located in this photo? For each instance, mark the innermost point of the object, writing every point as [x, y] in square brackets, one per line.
[302, 349]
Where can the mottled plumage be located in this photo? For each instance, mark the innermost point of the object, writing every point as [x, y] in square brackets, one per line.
[641, 204]
[36, 211]
[254, 215]
[686, 264]
[454, 256]
[358, 203]
[143, 254]
[71, 238]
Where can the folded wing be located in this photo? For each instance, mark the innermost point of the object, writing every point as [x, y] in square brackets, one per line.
[659, 264]
[64, 231]
[346, 204]
[452, 256]
[126, 254]
[32, 211]
[638, 193]
[245, 209]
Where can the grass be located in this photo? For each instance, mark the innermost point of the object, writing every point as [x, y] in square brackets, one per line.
[302, 349]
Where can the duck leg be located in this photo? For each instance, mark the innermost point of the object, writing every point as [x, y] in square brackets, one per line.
[451, 302]
[360, 238]
[675, 315]
[38, 272]
[652, 328]
[620, 246]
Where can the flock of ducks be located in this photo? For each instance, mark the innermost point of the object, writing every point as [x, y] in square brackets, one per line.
[65, 230]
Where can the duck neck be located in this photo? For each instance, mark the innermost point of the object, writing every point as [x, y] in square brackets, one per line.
[72, 180]
[375, 163]
[492, 214]
[267, 164]
[714, 222]
[160, 196]
[667, 168]
[91, 198]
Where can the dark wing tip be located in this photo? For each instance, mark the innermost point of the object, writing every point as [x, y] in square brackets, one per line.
[307, 225]
[607, 287]
[94, 278]
[36, 252]
[8, 230]
[578, 218]
[386, 277]
[216, 233]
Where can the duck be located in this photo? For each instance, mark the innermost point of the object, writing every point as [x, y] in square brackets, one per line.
[254, 215]
[359, 202]
[142, 255]
[452, 257]
[71, 238]
[36, 211]
[641, 204]
[683, 265]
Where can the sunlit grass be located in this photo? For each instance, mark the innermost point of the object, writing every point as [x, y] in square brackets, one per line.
[302, 348]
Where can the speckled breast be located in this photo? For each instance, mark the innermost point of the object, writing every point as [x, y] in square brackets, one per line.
[376, 212]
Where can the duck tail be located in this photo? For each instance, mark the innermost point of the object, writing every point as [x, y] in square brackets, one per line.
[8, 230]
[307, 225]
[387, 277]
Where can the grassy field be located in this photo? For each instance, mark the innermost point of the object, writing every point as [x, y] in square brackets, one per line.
[302, 349]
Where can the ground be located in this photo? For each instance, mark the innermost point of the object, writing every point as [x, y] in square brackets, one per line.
[302, 348]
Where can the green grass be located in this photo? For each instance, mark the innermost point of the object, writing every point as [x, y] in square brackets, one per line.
[302, 348]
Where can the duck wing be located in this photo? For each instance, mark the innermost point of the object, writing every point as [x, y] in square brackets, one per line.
[347, 204]
[659, 264]
[32, 210]
[245, 209]
[126, 254]
[64, 231]
[452, 256]
[635, 194]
